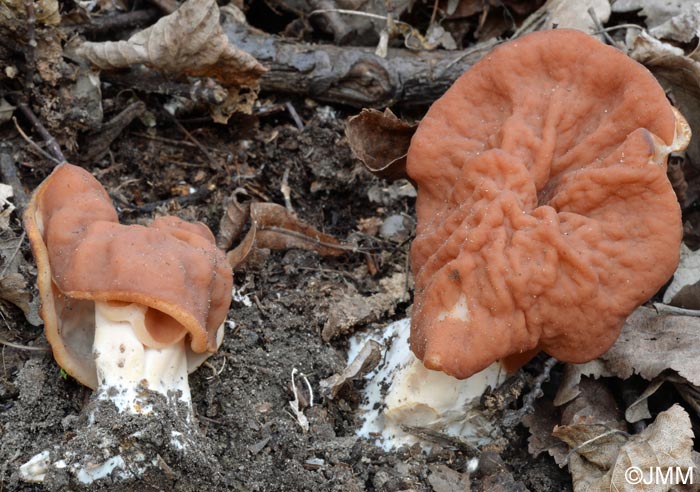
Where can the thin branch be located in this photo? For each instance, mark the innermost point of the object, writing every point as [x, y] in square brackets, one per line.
[33, 144]
[51, 143]
[23, 347]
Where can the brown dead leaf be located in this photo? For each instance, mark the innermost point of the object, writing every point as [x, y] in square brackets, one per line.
[233, 221]
[650, 343]
[380, 141]
[665, 444]
[274, 228]
[593, 416]
[365, 362]
[350, 309]
[677, 73]
[190, 41]
[541, 423]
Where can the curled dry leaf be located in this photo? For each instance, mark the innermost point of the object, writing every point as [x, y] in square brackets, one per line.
[677, 73]
[366, 361]
[666, 445]
[190, 41]
[273, 227]
[233, 221]
[541, 423]
[650, 343]
[380, 141]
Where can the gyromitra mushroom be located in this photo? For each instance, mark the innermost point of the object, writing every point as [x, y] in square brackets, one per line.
[125, 307]
[544, 214]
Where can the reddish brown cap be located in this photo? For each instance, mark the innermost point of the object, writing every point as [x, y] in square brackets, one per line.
[84, 255]
[544, 212]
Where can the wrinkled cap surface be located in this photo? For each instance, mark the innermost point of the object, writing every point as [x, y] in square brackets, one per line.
[84, 255]
[544, 212]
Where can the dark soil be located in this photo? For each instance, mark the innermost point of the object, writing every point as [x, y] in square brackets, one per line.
[241, 398]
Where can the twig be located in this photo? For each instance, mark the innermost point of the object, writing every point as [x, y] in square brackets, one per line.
[167, 6]
[216, 165]
[33, 144]
[124, 21]
[103, 138]
[295, 116]
[51, 143]
[599, 26]
[617, 27]
[170, 141]
[192, 198]
[23, 347]
[512, 419]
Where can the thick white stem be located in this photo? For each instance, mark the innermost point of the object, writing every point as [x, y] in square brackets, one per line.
[403, 393]
[125, 365]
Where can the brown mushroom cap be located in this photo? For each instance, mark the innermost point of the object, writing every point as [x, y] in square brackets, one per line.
[84, 255]
[545, 216]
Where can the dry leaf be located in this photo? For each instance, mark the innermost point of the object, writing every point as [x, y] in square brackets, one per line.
[574, 14]
[366, 361]
[380, 141]
[650, 343]
[190, 41]
[541, 423]
[683, 27]
[656, 12]
[591, 414]
[273, 227]
[233, 221]
[678, 73]
[350, 309]
[571, 14]
[665, 444]
[442, 478]
[687, 273]
[14, 289]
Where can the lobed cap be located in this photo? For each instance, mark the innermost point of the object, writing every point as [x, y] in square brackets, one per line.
[545, 216]
[84, 255]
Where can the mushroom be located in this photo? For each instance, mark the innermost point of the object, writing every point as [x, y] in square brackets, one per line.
[544, 214]
[128, 309]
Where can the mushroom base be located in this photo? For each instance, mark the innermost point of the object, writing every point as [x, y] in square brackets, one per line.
[125, 367]
[403, 399]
